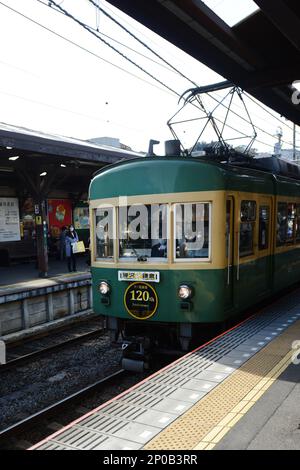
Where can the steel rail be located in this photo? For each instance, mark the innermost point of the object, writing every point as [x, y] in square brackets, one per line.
[16, 429]
[22, 360]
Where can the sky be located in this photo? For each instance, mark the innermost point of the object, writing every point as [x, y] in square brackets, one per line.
[51, 85]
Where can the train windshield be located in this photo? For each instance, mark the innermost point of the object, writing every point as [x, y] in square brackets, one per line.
[143, 232]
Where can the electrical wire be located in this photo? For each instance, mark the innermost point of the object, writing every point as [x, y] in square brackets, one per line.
[254, 114]
[58, 7]
[260, 118]
[98, 8]
[267, 111]
[132, 26]
[76, 20]
[77, 113]
[103, 11]
[180, 73]
[244, 119]
[113, 39]
[82, 47]
[140, 41]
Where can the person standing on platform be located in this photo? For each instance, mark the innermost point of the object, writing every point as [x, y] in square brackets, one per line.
[71, 238]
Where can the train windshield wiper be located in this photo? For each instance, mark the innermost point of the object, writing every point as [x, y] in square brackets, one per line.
[140, 258]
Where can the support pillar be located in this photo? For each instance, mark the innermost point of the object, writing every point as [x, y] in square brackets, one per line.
[41, 237]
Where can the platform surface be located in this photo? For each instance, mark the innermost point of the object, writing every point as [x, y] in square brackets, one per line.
[273, 423]
[24, 274]
[198, 401]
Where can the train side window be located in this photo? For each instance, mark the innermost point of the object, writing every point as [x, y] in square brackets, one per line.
[281, 223]
[192, 231]
[228, 226]
[247, 227]
[291, 220]
[104, 233]
[297, 225]
[263, 231]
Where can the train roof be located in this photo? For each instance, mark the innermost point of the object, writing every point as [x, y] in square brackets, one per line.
[274, 165]
[154, 175]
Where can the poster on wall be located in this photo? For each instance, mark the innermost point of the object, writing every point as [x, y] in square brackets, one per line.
[60, 214]
[81, 218]
[9, 219]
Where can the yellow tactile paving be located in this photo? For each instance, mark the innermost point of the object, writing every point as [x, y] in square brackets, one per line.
[212, 417]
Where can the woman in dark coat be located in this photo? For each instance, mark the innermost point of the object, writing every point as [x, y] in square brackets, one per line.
[71, 237]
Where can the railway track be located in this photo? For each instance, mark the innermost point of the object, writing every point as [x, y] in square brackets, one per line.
[26, 358]
[13, 436]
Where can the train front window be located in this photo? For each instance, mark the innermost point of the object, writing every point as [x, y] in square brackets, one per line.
[143, 232]
[192, 231]
[104, 233]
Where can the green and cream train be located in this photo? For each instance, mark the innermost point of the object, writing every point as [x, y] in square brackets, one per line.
[181, 243]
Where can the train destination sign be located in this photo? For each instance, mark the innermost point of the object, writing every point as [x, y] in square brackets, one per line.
[140, 300]
[149, 276]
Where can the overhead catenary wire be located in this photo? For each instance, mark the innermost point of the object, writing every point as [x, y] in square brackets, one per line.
[140, 41]
[82, 47]
[261, 118]
[257, 103]
[244, 119]
[113, 39]
[179, 72]
[72, 42]
[59, 108]
[52, 2]
[242, 133]
[132, 26]
[97, 18]
[267, 111]
[69, 15]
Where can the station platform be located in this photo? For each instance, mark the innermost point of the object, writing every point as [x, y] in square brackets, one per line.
[30, 305]
[239, 391]
[26, 272]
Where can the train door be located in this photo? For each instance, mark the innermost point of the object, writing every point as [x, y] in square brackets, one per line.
[264, 245]
[253, 280]
[229, 271]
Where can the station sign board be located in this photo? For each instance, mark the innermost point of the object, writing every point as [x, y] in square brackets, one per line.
[9, 219]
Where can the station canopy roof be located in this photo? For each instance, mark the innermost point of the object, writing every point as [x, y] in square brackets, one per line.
[260, 53]
[38, 163]
[36, 142]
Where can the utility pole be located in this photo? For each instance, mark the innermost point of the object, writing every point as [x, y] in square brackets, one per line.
[277, 146]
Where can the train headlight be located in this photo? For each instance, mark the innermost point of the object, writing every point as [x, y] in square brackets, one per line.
[184, 292]
[104, 288]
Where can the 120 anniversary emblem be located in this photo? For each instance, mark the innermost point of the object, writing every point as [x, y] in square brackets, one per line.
[140, 300]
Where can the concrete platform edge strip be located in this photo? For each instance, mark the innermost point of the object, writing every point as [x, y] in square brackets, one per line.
[36, 288]
[36, 330]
